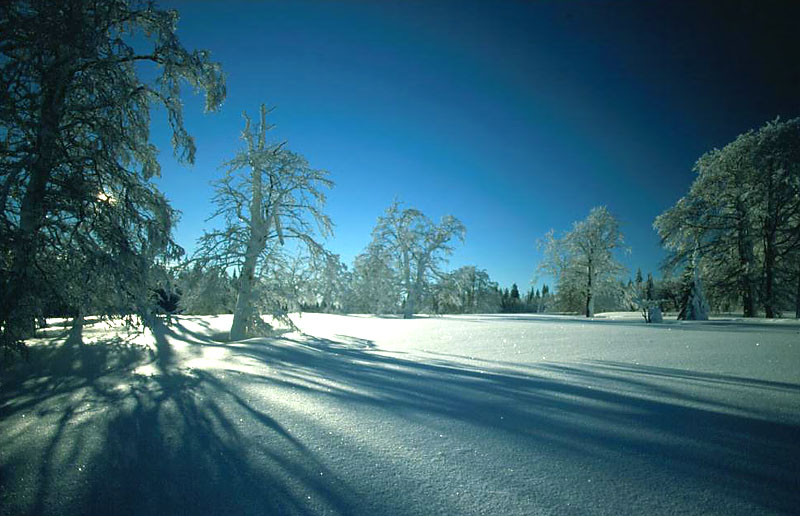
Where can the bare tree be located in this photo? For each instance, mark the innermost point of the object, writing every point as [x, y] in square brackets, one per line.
[268, 195]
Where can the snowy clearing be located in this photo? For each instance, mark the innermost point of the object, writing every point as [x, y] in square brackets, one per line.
[487, 414]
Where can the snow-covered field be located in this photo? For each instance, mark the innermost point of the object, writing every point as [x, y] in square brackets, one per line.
[448, 415]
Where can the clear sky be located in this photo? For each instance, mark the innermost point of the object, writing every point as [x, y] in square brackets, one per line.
[516, 117]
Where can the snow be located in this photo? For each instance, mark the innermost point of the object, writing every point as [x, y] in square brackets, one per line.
[485, 414]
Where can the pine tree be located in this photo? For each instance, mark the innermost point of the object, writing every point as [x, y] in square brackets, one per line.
[650, 288]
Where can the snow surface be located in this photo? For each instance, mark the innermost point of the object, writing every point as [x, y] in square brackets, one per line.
[488, 414]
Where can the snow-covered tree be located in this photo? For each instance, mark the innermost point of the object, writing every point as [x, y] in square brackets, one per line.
[694, 306]
[268, 195]
[374, 286]
[416, 246]
[743, 212]
[206, 290]
[76, 162]
[467, 290]
[330, 283]
[582, 260]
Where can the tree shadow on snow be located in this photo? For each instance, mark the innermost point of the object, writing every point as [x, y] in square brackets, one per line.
[178, 440]
[115, 428]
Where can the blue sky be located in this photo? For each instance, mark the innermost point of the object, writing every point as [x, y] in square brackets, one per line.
[516, 117]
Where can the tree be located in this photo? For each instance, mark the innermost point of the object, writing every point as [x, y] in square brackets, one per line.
[650, 288]
[76, 159]
[694, 306]
[267, 196]
[375, 285]
[742, 213]
[582, 260]
[467, 290]
[329, 284]
[545, 300]
[206, 290]
[416, 247]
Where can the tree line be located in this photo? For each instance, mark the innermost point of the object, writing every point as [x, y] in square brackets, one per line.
[86, 231]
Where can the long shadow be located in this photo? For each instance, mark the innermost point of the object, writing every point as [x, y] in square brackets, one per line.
[746, 457]
[181, 441]
[109, 439]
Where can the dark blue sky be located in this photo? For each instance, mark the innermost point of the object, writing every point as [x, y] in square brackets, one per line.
[513, 116]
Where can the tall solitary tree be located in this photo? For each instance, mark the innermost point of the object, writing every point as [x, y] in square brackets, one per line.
[75, 156]
[267, 196]
[582, 260]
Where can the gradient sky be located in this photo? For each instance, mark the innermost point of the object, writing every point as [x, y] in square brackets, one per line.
[516, 117]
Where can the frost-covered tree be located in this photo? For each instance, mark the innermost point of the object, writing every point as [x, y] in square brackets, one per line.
[206, 290]
[416, 246]
[330, 282]
[582, 260]
[374, 286]
[694, 306]
[467, 290]
[743, 212]
[268, 195]
[76, 162]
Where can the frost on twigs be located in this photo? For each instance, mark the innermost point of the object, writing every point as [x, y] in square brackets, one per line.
[270, 202]
[84, 229]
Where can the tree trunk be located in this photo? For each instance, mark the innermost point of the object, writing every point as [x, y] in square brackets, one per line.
[770, 251]
[769, 282]
[243, 312]
[590, 293]
[746, 261]
[797, 296]
[19, 305]
[259, 229]
[408, 308]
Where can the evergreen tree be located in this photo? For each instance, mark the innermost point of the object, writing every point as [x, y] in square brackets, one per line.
[650, 288]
